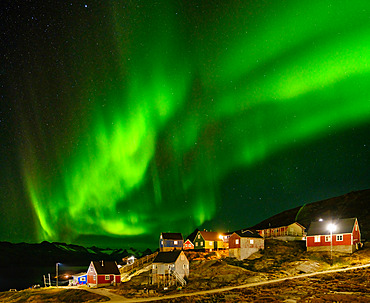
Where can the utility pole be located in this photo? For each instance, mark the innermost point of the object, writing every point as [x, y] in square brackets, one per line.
[56, 269]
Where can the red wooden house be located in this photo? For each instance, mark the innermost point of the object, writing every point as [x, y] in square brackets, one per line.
[188, 245]
[292, 230]
[244, 243]
[103, 273]
[344, 236]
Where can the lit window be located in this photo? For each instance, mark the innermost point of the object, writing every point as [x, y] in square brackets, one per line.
[196, 243]
[198, 236]
[83, 279]
[175, 242]
[356, 227]
[107, 277]
[236, 241]
[339, 237]
[251, 241]
[210, 243]
[327, 238]
[201, 243]
[317, 239]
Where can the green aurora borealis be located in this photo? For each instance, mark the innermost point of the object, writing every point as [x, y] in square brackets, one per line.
[131, 117]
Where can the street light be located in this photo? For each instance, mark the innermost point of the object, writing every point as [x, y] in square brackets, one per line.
[56, 269]
[331, 228]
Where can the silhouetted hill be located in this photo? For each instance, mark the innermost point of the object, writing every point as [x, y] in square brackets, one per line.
[354, 204]
[50, 253]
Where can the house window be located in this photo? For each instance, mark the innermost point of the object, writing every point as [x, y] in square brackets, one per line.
[317, 239]
[327, 238]
[236, 241]
[198, 236]
[210, 243]
[251, 241]
[339, 237]
[184, 266]
[175, 242]
[356, 227]
[107, 277]
[83, 279]
[196, 243]
[154, 266]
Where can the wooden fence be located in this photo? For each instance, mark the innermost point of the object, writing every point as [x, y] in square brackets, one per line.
[138, 263]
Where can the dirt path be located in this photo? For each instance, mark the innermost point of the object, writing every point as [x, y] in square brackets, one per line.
[105, 292]
[117, 298]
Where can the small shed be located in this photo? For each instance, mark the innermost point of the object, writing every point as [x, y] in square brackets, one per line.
[244, 243]
[170, 241]
[170, 267]
[79, 279]
[103, 273]
[345, 235]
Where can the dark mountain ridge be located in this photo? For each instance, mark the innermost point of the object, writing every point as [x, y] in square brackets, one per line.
[355, 204]
[49, 253]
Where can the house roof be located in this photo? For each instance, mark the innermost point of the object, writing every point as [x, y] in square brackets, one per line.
[210, 235]
[343, 226]
[172, 236]
[279, 225]
[299, 224]
[167, 256]
[247, 233]
[192, 236]
[106, 267]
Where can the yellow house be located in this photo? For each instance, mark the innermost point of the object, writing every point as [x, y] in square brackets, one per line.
[208, 240]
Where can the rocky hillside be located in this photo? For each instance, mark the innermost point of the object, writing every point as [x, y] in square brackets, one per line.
[354, 204]
[280, 259]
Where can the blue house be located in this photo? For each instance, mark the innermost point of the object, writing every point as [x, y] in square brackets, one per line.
[79, 279]
[170, 241]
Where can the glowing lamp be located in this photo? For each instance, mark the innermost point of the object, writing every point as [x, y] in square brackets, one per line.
[331, 227]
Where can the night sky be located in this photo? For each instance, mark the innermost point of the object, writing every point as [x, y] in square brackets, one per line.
[123, 119]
